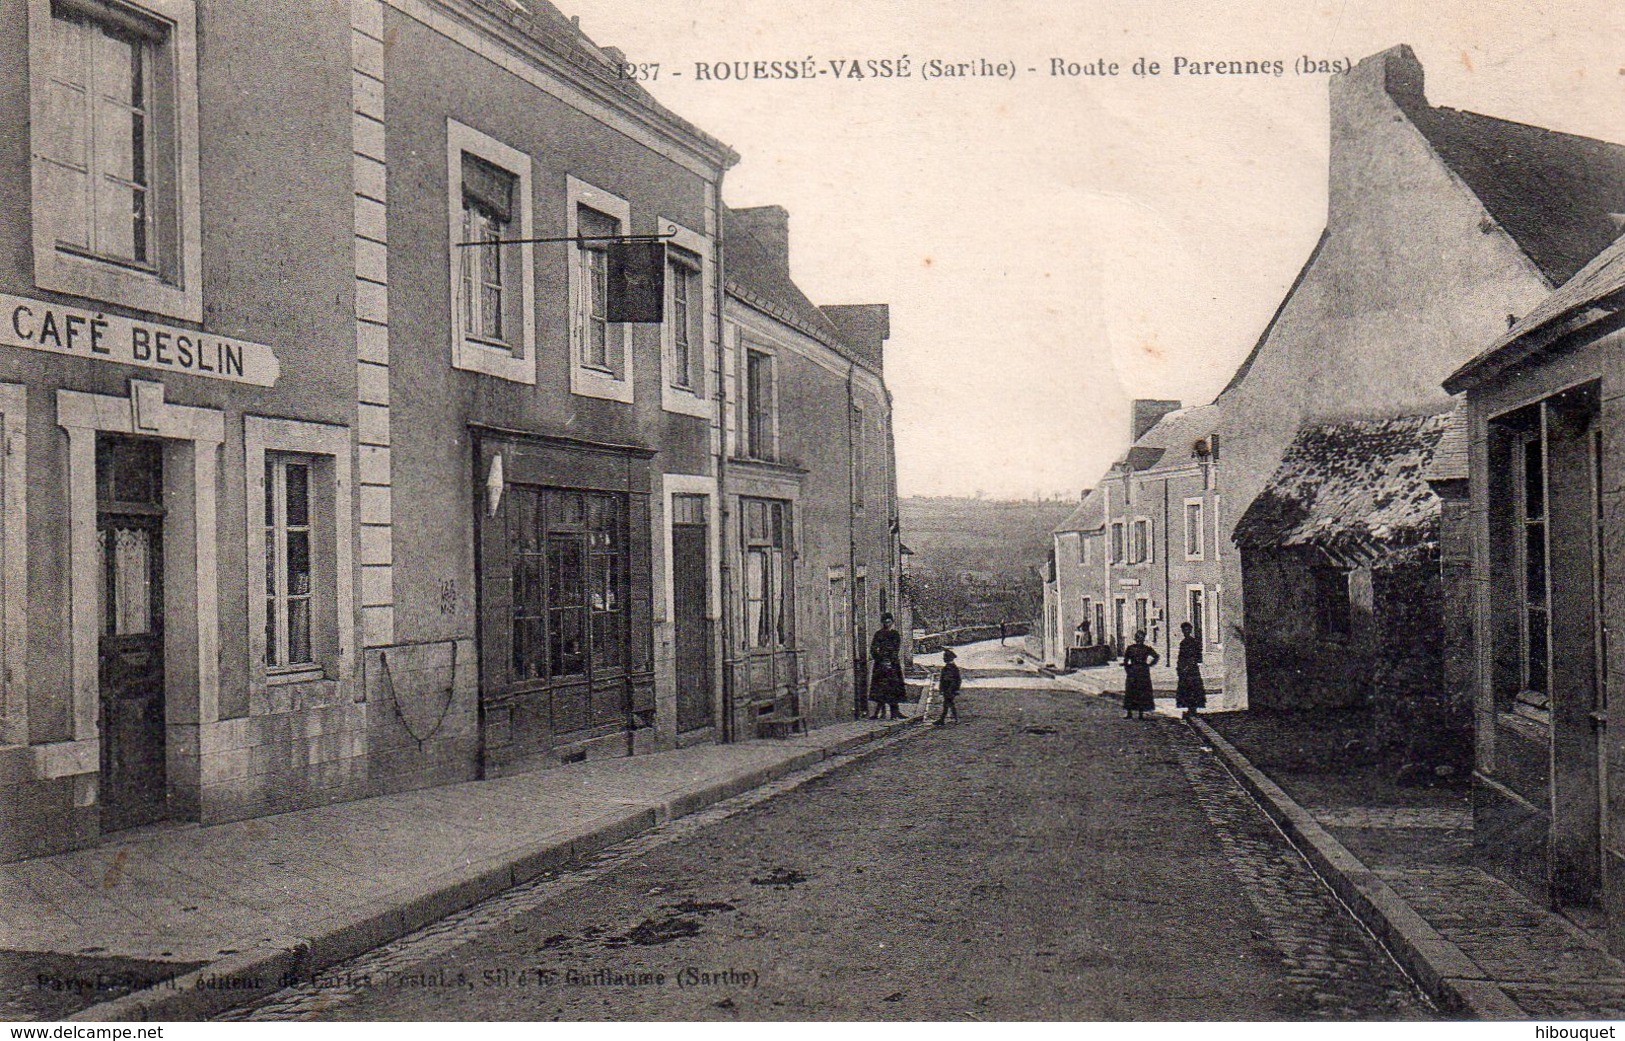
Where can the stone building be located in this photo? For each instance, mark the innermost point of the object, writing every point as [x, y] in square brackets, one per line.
[322, 479]
[1142, 550]
[1547, 554]
[1341, 556]
[1074, 582]
[1440, 224]
[811, 530]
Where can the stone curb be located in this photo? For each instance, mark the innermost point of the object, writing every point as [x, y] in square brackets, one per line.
[240, 978]
[1452, 979]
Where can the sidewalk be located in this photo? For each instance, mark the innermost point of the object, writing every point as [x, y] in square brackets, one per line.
[233, 908]
[1478, 947]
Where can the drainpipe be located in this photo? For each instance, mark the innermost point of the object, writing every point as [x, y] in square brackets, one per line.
[1167, 579]
[724, 566]
[852, 543]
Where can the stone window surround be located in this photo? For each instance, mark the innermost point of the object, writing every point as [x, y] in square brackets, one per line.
[326, 442]
[518, 365]
[1201, 526]
[1207, 612]
[192, 439]
[586, 380]
[88, 277]
[14, 556]
[695, 400]
[748, 345]
[1134, 541]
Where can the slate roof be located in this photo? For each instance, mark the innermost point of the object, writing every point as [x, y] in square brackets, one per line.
[1170, 440]
[1553, 193]
[1089, 516]
[1450, 456]
[1356, 490]
[754, 276]
[1596, 292]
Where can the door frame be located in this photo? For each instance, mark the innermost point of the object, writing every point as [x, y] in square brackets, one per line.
[191, 438]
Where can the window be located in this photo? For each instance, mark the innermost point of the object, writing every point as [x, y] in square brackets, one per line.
[1196, 610]
[1193, 529]
[690, 323]
[492, 284]
[114, 140]
[763, 539]
[1117, 542]
[601, 350]
[594, 260]
[569, 582]
[1142, 541]
[1332, 607]
[1142, 615]
[760, 420]
[1536, 635]
[288, 561]
[687, 307]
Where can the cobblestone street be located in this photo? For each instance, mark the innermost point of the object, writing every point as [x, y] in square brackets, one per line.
[1046, 859]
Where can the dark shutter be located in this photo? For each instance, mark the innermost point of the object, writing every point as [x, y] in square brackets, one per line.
[489, 187]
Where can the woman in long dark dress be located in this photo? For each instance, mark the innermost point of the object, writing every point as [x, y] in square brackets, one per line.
[1188, 665]
[1138, 657]
[886, 669]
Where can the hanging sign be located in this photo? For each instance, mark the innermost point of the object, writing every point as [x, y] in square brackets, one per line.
[637, 281]
[39, 325]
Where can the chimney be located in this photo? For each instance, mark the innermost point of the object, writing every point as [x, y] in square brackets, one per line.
[1146, 412]
[770, 227]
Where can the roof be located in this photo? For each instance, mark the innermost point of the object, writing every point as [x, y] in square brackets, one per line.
[1089, 516]
[754, 276]
[540, 22]
[1173, 437]
[1597, 291]
[1553, 193]
[1450, 456]
[1356, 490]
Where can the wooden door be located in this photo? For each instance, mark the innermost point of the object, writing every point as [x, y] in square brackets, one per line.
[690, 594]
[129, 535]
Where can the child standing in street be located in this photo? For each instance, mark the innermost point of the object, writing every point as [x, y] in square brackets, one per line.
[948, 686]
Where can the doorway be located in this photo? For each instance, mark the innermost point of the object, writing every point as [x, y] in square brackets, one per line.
[130, 646]
[690, 571]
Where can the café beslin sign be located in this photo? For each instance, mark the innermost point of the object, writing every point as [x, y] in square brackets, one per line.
[57, 329]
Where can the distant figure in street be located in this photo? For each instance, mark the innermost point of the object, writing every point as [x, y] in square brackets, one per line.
[1138, 657]
[886, 669]
[1190, 696]
[1080, 635]
[1001, 634]
[948, 686]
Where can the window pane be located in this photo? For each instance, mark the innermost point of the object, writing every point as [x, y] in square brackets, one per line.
[564, 573]
[1537, 659]
[66, 134]
[606, 640]
[1535, 563]
[1534, 487]
[272, 656]
[130, 574]
[299, 631]
[298, 563]
[298, 494]
[566, 645]
[529, 646]
[117, 210]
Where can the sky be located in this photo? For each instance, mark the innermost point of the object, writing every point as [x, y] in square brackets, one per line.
[1054, 246]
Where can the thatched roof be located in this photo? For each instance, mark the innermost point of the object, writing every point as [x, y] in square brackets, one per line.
[1355, 490]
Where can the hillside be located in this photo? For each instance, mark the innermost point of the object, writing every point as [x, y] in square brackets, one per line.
[977, 561]
[980, 534]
